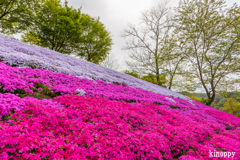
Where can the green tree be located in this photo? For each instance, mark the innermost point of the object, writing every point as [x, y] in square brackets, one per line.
[232, 107]
[55, 27]
[210, 34]
[96, 41]
[66, 30]
[16, 15]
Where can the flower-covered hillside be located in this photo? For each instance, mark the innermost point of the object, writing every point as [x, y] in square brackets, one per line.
[16, 53]
[51, 115]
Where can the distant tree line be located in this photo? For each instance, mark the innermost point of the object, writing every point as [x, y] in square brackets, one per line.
[226, 101]
[56, 26]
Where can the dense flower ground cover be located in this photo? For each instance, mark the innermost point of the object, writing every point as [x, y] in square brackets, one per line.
[78, 127]
[25, 81]
[16, 53]
[49, 115]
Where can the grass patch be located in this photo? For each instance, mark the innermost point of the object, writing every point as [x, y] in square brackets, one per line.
[117, 83]
[8, 117]
[157, 103]
[44, 92]
[228, 127]
[175, 107]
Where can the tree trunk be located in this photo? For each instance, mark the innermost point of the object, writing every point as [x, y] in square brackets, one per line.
[170, 83]
[157, 71]
[88, 57]
[211, 99]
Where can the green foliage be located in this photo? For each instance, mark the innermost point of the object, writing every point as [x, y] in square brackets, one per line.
[157, 103]
[96, 42]
[232, 107]
[55, 27]
[66, 30]
[132, 73]
[175, 107]
[8, 117]
[117, 83]
[221, 99]
[225, 101]
[130, 101]
[16, 15]
[200, 97]
[150, 78]
[45, 91]
[21, 93]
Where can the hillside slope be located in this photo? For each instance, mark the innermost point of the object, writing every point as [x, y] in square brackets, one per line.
[16, 53]
[53, 106]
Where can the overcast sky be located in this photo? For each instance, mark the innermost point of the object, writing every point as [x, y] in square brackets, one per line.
[116, 14]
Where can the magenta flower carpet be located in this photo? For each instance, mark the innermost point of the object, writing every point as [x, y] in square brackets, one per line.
[53, 106]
